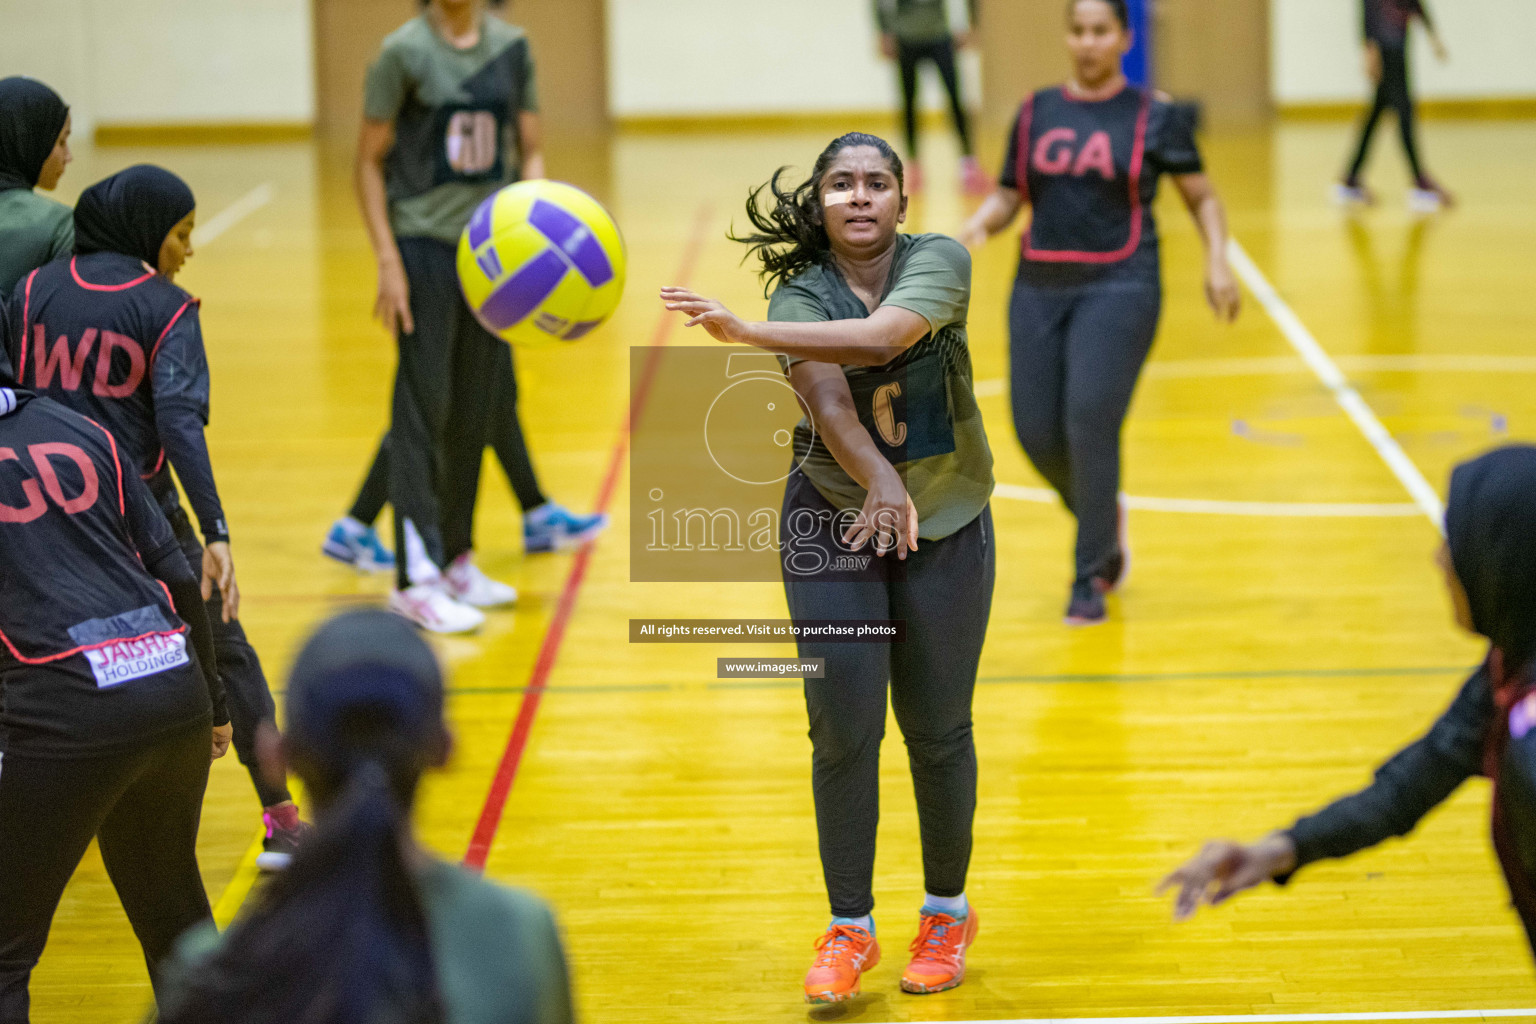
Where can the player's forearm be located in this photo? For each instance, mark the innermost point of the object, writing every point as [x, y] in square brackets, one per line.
[373, 198]
[530, 127]
[873, 341]
[186, 597]
[181, 432]
[997, 211]
[1211, 216]
[837, 422]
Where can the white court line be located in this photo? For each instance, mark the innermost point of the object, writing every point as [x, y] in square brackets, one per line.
[233, 214]
[1262, 366]
[1273, 1018]
[1332, 378]
[1201, 506]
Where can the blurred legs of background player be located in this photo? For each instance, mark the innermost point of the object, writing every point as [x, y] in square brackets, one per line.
[547, 526]
[915, 31]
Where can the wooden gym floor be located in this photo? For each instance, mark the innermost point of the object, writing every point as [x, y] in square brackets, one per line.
[1283, 632]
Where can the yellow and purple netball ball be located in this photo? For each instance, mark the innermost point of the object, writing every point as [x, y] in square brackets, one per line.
[541, 263]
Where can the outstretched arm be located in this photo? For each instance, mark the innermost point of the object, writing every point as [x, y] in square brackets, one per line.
[1407, 787]
[872, 341]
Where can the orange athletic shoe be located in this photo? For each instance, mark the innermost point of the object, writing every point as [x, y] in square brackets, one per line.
[938, 953]
[844, 953]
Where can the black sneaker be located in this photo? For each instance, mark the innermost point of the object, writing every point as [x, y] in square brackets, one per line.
[1086, 607]
[1111, 575]
[280, 844]
[1107, 579]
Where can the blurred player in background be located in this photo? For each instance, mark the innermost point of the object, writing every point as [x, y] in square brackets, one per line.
[871, 327]
[1386, 26]
[108, 333]
[106, 720]
[1086, 157]
[450, 117]
[368, 925]
[915, 31]
[34, 150]
[1489, 562]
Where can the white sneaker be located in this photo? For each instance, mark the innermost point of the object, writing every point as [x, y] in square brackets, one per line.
[1347, 195]
[1423, 200]
[431, 607]
[466, 583]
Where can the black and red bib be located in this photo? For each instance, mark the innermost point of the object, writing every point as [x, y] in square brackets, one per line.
[74, 579]
[93, 331]
[1089, 169]
[92, 652]
[1083, 167]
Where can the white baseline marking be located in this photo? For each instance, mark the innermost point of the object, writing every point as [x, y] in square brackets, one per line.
[1275, 1018]
[1332, 378]
[233, 214]
[1201, 506]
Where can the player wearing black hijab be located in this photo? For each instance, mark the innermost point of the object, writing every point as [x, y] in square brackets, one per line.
[1087, 158]
[1489, 560]
[107, 333]
[1386, 25]
[105, 716]
[34, 150]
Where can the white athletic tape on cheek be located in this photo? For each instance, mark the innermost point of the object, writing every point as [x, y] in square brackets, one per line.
[832, 199]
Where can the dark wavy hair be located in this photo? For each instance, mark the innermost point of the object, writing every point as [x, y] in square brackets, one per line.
[790, 235]
[1122, 13]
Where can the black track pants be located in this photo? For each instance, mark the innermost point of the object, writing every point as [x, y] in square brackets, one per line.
[1394, 92]
[942, 53]
[943, 592]
[506, 438]
[443, 388]
[1076, 355]
[143, 805]
[245, 684]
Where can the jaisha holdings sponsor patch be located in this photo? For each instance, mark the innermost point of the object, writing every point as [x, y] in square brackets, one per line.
[127, 660]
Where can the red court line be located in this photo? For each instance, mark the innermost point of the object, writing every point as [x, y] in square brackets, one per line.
[549, 650]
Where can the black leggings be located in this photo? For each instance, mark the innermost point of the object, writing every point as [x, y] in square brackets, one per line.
[245, 684]
[506, 439]
[1076, 355]
[442, 399]
[1394, 92]
[942, 53]
[943, 592]
[142, 805]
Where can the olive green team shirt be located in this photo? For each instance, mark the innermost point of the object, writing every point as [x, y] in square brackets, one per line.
[917, 21]
[920, 408]
[456, 122]
[497, 951]
[33, 230]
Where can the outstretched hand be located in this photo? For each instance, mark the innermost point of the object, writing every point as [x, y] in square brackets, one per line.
[1223, 869]
[721, 323]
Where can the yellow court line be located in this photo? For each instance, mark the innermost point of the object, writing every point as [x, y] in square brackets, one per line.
[239, 887]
